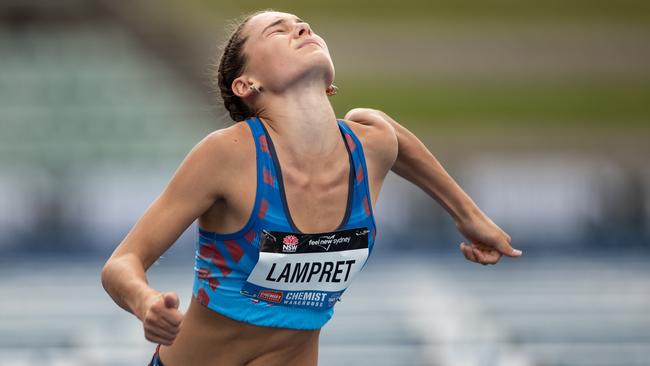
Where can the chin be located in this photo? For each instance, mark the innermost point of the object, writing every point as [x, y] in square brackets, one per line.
[318, 67]
[325, 65]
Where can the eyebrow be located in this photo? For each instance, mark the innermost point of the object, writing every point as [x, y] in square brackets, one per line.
[281, 20]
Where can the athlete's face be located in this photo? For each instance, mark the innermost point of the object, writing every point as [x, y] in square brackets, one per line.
[281, 48]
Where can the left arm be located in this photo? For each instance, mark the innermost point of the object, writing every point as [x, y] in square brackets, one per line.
[417, 164]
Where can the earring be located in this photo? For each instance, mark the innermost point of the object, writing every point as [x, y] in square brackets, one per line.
[331, 90]
[253, 87]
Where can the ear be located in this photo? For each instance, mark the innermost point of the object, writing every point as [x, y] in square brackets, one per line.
[240, 87]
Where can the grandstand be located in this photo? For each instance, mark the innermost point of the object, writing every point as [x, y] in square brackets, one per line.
[92, 119]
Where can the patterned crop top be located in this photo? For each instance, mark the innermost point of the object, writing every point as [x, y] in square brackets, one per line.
[269, 273]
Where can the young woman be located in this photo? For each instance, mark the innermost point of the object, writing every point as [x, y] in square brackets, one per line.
[284, 199]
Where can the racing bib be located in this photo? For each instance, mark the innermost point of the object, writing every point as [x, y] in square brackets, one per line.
[306, 270]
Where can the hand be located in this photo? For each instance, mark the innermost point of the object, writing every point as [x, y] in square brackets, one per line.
[162, 320]
[487, 241]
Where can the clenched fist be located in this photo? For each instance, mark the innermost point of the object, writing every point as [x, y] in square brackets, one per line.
[487, 242]
[162, 320]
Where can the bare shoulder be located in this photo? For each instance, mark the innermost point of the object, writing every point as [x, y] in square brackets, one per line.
[216, 160]
[376, 133]
[230, 145]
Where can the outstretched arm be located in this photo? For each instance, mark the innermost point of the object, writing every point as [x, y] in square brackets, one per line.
[417, 164]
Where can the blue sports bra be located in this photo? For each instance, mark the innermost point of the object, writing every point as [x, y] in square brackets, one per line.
[269, 273]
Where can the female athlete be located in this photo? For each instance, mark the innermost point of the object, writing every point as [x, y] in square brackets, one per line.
[284, 200]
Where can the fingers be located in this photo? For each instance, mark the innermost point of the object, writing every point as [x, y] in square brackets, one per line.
[484, 258]
[157, 329]
[171, 300]
[154, 330]
[158, 336]
[172, 317]
[480, 257]
[169, 310]
[161, 323]
[510, 251]
[479, 253]
[467, 252]
[160, 331]
[507, 248]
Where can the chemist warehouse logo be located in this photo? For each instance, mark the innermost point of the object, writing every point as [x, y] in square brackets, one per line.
[289, 244]
[326, 240]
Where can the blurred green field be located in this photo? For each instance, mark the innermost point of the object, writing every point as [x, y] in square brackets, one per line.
[529, 106]
[623, 10]
[542, 102]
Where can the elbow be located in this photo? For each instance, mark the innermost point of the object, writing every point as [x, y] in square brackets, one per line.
[106, 274]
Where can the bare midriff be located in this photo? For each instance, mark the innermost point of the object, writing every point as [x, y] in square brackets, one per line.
[208, 338]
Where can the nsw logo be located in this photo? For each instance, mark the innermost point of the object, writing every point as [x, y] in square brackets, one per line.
[290, 244]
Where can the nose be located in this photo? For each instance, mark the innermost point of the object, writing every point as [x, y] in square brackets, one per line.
[302, 28]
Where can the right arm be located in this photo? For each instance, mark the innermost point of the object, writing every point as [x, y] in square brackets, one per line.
[418, 165]
[195, 186]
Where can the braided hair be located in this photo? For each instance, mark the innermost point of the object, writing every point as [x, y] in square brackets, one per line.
[231, 65]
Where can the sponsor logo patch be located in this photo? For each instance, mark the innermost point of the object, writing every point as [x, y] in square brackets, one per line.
[290, 244]
[270, 295]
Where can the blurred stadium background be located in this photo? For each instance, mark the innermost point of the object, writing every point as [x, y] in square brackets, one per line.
[539, 109]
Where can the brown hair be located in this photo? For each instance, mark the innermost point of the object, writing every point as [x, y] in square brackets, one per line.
[231, 65]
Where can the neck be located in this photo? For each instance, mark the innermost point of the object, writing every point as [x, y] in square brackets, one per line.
[303, 121]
